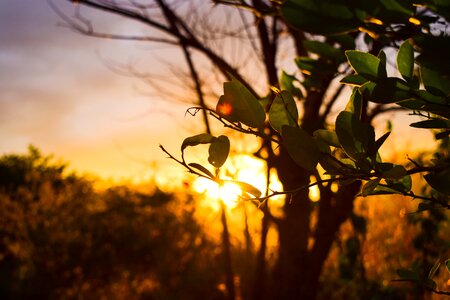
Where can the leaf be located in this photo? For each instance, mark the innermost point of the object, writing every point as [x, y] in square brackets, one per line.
[435, 82]
[354, 79]
[439, 181]
[434, 269]
[403, 185]
[283, 111]
[396, 172]
[300, 146]
[324, 17]
[202, 169]
[348, 130]
[287, 83]
[379, 143]
[405, 60]
[203, 138]
[324, 50]
[382, 67]
[327, 136]
[433, 123]
[370, 186]
[364, 64]
[247, 188]
[238, 104]
[388, 90]
[218, 151]
[447, 264]
[408, 274]
[354, 105]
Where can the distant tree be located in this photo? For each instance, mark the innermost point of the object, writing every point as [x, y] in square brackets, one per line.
[324, 36]
[66, 240]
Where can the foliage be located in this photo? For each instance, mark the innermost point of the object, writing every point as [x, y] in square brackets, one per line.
[61, 239]
[350, 152]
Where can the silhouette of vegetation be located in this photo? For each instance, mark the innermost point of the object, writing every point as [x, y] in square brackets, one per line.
[61, 239]
[334, 44]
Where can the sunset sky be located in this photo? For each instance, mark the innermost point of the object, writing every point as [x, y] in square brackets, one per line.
[58, 92]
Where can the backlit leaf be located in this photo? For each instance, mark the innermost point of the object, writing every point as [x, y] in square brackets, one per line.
[238, 104]
[283, 111]
[218, 151]
[300, 146]
[203, 138]
[405, 60]
[364, 64]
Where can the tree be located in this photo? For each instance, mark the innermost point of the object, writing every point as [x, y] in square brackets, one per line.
[294, 142]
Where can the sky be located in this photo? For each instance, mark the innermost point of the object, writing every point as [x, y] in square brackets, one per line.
[60, 93]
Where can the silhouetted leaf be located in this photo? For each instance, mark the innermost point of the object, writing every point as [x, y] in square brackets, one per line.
[396, 172]
[379, 143]
[300, 146]
[354, 105]
[408, 274]
[238, 104]
[283, 111]
[202, 169]
[388, 90]
[203, 138]
[370, 186]
[246, 188]
[405, 60]
[433, 123]
[439, 181]
[218, 151]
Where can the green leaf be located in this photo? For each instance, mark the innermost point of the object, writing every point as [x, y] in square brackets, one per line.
[346, 125]
[327, 136]
[202, 169]
[396, 172]
[435, 82]
[388, 90]
[370, 186]
[300, 146]
[447, 264]
[433, 123]
[439, 181]
[324, 50]
[203, 138]
[287, 83]
[405, 60]
[403, 185]
[324, 17]
[218, 151]
[364, 64]
[283, 111]
[238, 104]
[354, 105]
[354, 79]
[382, 73]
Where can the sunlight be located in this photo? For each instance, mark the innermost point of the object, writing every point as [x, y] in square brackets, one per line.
[228, 192]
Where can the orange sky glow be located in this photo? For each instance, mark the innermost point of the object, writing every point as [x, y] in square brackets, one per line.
[59, 92]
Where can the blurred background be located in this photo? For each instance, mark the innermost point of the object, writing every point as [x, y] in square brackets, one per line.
[91, 208]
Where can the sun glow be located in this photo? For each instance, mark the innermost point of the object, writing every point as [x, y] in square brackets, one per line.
[239, 168]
